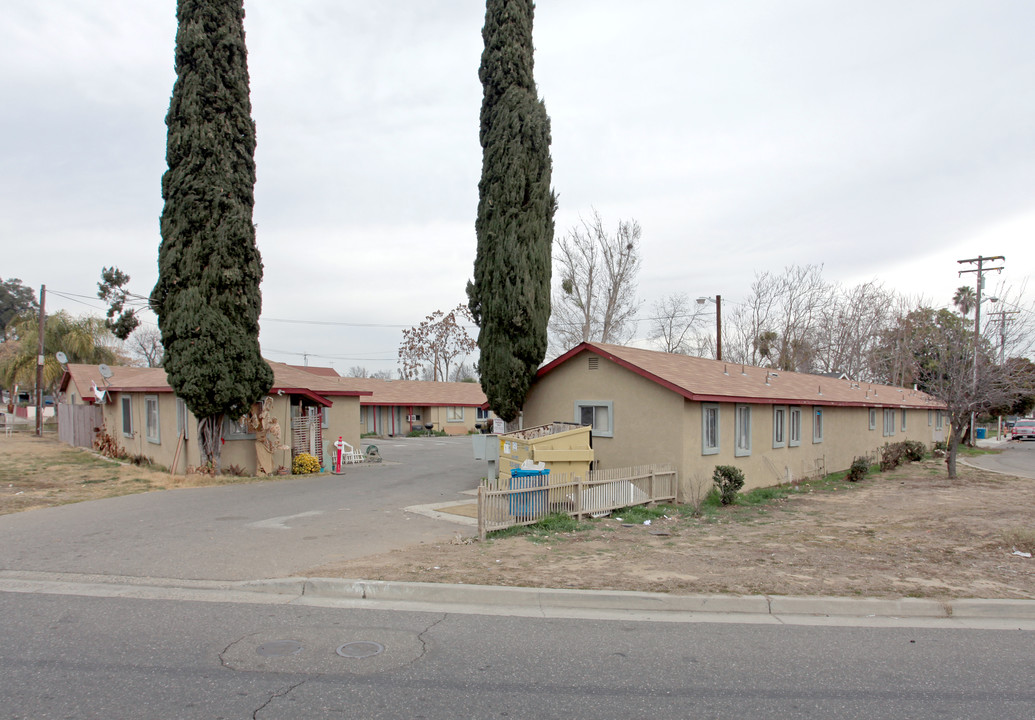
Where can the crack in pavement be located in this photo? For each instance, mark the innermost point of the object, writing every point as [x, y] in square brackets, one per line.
[274, 696]
[423, 642]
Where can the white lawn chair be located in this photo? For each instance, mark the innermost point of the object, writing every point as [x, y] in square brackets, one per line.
[350, 455]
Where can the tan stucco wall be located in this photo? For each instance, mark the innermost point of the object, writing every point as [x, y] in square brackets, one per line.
[342, 420]
[647, 418]
[656, 425]
[846, 436]
[163, 452]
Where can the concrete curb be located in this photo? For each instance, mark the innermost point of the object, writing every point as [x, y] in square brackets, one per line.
[516, 600]
[615, 600]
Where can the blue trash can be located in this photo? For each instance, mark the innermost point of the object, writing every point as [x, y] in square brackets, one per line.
[531, 504]
[980, 433]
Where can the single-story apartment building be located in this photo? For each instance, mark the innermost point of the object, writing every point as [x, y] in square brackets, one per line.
[776, 426]
[140, 411]
[397, 407]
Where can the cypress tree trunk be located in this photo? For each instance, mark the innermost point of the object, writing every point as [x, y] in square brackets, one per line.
[207, 297]
[510, 294]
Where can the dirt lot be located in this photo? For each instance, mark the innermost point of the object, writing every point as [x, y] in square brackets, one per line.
[43, 472]
[908, 533]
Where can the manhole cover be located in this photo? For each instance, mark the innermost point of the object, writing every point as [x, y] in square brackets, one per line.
[279, 648]
[362, 649]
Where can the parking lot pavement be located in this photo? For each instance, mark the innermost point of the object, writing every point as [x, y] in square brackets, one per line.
[261, 530]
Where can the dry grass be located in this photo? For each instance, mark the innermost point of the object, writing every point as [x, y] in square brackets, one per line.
[44, 472]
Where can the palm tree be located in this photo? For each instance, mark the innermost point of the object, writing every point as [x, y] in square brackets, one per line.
[964, 299]
[82, 339]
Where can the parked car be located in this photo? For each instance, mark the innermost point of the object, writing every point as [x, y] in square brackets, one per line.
[1023, 430]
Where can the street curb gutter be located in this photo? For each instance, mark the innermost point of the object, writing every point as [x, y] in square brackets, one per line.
[518, 600]
[616, 600]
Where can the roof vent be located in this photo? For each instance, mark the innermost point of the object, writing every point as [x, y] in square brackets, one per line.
[594, 363]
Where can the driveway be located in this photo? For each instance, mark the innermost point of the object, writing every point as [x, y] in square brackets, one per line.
[260, 530]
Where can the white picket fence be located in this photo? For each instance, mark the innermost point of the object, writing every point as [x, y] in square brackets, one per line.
[507, 502]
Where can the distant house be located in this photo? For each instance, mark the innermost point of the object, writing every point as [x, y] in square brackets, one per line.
[323, 371]
[142, 414]
[397, 407]
[777, 426]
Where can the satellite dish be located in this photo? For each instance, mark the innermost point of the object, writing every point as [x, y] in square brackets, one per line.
[104, 370]
[61, 357]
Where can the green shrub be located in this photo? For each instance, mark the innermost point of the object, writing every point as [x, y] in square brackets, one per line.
[914, 450]
[729, 480]
[860, 466]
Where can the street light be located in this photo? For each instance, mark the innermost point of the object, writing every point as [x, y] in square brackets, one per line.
[718, 322]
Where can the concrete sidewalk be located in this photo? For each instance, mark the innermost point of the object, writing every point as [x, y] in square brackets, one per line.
[540, 602]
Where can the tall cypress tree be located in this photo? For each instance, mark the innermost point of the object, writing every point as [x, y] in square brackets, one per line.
[510, 294]
[207, 297]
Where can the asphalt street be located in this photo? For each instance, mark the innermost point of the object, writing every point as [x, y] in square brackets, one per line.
[1017, 458]
[255, 530]
[83, 657]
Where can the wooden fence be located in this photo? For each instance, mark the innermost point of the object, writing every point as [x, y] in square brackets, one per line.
[507, 502]
[78, 424]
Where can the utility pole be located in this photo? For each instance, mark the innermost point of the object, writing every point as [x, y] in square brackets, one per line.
[718, 327]
[39, 363]
[1003, 320]
[980, 270]
[1002, 352]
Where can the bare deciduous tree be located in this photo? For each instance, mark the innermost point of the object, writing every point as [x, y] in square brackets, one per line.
[849, 327]
[673, 320]
[596, 299]
[943, 363]
[430, 349]
[357, 371]
[146, 344]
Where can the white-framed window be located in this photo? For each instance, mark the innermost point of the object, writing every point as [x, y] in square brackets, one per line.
[597, 414]
[454, 414]
[794, 426]
[889, 422]
[742, 431]
[236, 429]
[709, 429]
[817, 425]
[127, 415]
[483, 413]
[181, 418]
[903, 419]
[938, 419]
[779, 426]
[873, 418]
[151, 430]
[930, 418]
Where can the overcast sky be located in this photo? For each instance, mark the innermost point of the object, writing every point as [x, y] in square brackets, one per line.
[882, 139]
